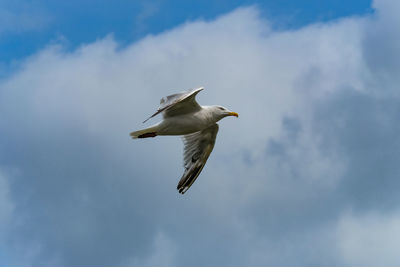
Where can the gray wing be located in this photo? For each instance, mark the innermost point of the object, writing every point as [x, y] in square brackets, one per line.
[198, 147]
[180, 103]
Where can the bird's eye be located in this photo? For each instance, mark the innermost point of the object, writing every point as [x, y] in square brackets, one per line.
[221, 108]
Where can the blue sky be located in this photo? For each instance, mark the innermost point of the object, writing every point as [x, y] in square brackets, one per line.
[83, 21]
[306, 176]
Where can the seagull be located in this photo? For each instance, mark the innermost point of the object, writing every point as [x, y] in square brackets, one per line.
[196, 124]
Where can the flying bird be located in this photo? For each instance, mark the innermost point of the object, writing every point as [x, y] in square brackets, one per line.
[196, 124]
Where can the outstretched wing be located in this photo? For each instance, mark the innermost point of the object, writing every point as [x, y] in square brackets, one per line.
[198, 147]
[180, 103]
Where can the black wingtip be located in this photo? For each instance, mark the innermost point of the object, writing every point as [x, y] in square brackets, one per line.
[181, 189]
[147, 135]
[187, 183]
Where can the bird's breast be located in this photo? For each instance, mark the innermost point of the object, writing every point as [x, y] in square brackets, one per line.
[183, 124]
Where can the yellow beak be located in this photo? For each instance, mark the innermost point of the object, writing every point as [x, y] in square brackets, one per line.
[233, 114]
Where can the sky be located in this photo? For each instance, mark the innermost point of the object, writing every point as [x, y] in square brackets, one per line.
[306, 176]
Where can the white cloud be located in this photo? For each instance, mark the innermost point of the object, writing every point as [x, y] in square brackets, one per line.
[6, 205]
[163, 253]
[6, 214]
[284, 171]
[369, 240]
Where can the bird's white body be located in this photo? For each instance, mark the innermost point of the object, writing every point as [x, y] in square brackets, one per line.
[198, 126]
[187, 123]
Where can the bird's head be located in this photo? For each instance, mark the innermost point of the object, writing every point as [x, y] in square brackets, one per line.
[222, 112]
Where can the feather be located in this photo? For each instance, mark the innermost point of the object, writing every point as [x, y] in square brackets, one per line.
[198, 147]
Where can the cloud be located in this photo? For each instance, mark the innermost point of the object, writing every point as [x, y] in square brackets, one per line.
[147, 10]
[6, 205]
[369, 240]
[163, 254]
[316, 137]
[6, 212]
